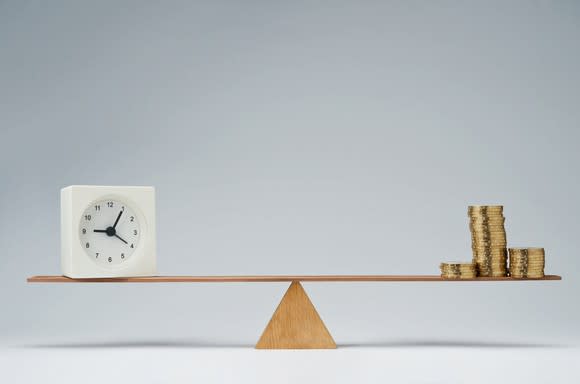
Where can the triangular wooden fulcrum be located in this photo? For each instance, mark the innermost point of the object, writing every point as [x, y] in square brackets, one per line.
[295, 324]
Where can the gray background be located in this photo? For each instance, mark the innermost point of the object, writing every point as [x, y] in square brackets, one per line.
[293, 137]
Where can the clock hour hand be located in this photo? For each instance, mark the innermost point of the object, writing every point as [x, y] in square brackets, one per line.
[100, 230]
[118, 217]
[120, 238]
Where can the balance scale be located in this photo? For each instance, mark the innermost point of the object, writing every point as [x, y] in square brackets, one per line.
[295, 323]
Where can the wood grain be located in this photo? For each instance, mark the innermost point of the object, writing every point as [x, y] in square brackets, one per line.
[272, 278]
[296, 324]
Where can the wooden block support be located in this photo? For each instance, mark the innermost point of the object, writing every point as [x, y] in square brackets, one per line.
[296, 324]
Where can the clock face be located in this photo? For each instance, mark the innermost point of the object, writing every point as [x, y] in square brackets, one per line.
[109, 232]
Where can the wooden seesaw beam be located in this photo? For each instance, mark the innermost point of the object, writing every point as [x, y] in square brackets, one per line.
[295, 324]
[269, 279]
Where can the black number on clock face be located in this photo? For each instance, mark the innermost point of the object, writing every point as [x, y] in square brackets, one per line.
[122, 255]
[110, 204]
[97, 207]
[110, 259]
[87, 245]
[87, 217]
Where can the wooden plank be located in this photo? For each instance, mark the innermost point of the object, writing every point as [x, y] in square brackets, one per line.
[272, 278]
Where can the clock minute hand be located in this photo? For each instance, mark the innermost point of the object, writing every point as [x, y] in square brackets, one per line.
[118, 217]
[120, 238]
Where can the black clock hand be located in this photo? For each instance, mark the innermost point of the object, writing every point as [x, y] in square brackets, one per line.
[116, 221]
[120, 238]
[110, 232]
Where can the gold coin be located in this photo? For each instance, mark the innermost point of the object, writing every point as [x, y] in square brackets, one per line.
[448, 265]
[492, 266]
[517, 256]
[486, 228]
[494, 251]
[487, 231]
[488, 234]
[487, 256]
[527, 258]
[489, 251]
[458, 263]
[475, 242]
[483, 239]
[493, 274]
[526, 254]
[489, 248]
[528, 276]
[523, 252]
[486, 216]
[486, 242]
[484, 208]
[486, 213]
[539, 262]
[527, 262]
[458, 276]
[487, 222]
[494, 257]
[483, 270]
[491, 262]
[483, 236]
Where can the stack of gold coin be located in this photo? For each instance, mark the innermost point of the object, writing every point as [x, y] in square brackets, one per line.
[458, 270]
[527, 263]
[488, 239]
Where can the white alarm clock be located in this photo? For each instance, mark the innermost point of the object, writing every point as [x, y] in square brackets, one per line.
[107, 231]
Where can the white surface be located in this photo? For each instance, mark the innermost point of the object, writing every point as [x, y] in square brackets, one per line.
[167, 362]
[76, 200]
